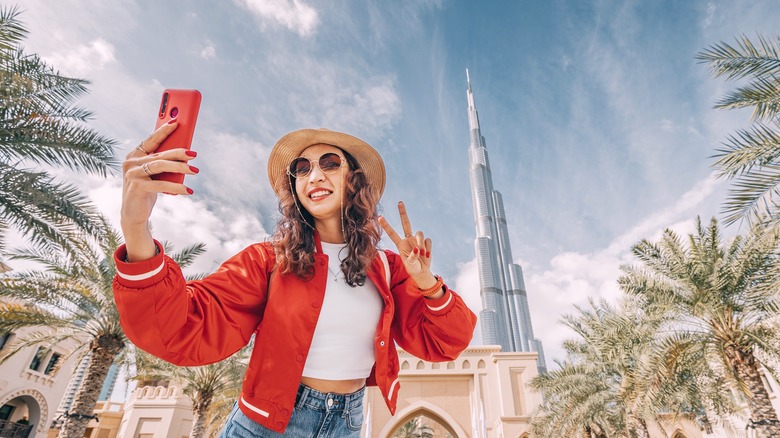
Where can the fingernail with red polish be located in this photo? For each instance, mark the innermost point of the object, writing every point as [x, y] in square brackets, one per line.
[191, 153]
[428, 254]
[189, 191]
[172, 121]
[194, 169]
[415, 250]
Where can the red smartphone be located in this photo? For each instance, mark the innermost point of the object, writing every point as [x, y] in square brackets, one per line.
[182, 105]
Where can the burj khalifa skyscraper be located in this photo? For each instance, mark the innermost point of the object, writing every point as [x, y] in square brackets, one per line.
[505, 319]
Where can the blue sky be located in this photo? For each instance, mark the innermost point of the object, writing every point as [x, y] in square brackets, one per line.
[598, 119]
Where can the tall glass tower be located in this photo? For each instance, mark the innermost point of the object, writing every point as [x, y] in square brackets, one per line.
[504, 319]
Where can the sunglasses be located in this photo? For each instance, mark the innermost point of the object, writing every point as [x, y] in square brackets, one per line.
[328, 163]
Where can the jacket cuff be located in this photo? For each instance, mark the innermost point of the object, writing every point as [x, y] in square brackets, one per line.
[139, 274]
[441, 305]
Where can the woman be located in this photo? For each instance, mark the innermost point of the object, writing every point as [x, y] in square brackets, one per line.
[326, 307]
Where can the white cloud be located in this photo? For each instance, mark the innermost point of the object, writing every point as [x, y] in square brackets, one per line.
[346, 101]
[293, 14]
[210, 51]
[186, 220]
[467, 286]
[84, 59]
[710, 17]
[232, 172]
[667, 125]
[375, 105]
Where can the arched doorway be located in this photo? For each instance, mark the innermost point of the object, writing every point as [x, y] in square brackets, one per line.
[678, 434]
[25, 411]
[422, 420]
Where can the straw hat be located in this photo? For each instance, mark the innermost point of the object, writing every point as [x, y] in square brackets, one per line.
[292, 145]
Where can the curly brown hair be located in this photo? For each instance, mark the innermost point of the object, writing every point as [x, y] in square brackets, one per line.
[293, 240]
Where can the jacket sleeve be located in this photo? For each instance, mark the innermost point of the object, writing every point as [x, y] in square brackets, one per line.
[435, 330]
[197, 322]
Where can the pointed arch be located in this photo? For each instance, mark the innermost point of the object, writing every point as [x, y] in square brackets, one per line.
[429, 410]
[678, 434]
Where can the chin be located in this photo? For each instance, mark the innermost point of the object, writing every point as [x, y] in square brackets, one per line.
[322, 211]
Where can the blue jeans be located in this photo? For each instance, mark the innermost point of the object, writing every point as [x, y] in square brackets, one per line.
[316, 414]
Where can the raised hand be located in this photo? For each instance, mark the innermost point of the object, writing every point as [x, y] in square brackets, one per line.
[414, 248]
[139, 190]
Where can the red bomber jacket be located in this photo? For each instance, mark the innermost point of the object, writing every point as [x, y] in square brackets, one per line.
[200, 322]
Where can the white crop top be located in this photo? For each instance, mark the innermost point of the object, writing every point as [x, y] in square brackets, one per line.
[343, 343]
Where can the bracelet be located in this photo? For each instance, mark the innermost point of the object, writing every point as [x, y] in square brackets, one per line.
[433, 289]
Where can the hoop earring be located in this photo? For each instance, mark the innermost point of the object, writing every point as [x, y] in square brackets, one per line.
[295, 201]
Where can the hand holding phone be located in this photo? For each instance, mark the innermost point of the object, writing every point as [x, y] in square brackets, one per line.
[182, 105]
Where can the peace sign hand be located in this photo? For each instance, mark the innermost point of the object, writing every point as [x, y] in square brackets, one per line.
[414, 248]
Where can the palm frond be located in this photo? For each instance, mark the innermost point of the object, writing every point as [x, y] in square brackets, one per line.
[743, 60]
[12, 32]
[763, 94]
[186, 256]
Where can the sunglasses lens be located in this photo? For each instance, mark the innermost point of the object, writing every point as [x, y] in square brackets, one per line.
[330, 162]
[300, 167]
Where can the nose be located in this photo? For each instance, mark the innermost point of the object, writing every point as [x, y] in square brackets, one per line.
[316, 173]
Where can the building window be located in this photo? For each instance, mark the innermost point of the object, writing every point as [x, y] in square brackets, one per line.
[6, 411]
[4, 338]
[35, 365]
[53, 361]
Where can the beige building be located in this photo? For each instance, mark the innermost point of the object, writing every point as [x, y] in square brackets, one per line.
[157, 412]
[483, 393]
[32, 383]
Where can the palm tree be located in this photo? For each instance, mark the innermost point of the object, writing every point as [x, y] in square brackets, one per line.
[601, 383]
[751, 155]
[41, 125]
[414, 428]
[578, 401]
[71, 296]
[720, 298]
[211, 386]
[611, 383]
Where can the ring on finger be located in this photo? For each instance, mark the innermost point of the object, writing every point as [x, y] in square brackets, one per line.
[140, 148]
[408, 235]
[145, 167]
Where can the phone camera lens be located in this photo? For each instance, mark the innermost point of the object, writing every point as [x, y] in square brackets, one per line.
[163, 105]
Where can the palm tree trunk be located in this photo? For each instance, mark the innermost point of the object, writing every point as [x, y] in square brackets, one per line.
[587, 433]
[706, 424]
[641, 429]
[200, 407]
[762, 414]
[103, 352]
[637, 427]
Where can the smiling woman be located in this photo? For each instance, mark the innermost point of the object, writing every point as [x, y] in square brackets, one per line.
[326, 306]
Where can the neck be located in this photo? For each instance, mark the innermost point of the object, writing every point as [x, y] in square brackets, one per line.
[329, 230]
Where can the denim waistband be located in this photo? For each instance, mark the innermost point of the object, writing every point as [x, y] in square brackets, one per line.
[329, 401]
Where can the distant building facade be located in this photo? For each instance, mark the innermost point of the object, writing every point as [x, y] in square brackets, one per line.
[505, 319]
[483, 393]
[32, 384]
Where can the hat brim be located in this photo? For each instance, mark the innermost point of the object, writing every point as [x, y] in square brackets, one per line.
[294, 143]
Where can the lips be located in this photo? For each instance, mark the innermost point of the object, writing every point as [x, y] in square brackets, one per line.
[319, 193]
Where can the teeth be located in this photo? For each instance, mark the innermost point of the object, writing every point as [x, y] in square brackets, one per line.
[319, 194]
